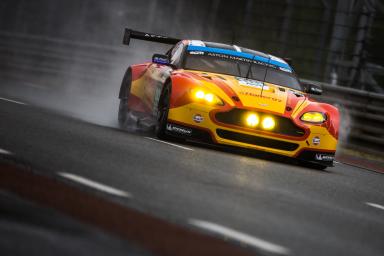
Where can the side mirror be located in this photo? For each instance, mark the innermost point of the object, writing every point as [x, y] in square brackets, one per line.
[312, 88]
[161, 59]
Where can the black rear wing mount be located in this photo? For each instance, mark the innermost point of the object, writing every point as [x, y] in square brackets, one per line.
[130, 33]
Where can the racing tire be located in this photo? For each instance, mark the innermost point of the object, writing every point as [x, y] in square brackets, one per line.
[319, 167]
[313, 166]
[123, 113]
[162, 112]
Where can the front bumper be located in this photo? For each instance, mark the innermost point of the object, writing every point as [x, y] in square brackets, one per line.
[198, 125]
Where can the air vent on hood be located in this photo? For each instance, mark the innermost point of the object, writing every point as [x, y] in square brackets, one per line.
[235, 98]
[207, 77]
[222, 78]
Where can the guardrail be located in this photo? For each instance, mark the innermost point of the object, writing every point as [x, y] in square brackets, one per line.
[362, 112]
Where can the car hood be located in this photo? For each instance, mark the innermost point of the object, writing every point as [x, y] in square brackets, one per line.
[254, 94]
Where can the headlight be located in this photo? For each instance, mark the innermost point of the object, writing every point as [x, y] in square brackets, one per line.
[268, 123]
[252, 120]
[313, 117]
[207, 97]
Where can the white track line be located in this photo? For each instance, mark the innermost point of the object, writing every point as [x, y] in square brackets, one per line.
[168, 143]
[241, 237]
[13, 101]
[5, 152]
[94, 184]
[378, 206]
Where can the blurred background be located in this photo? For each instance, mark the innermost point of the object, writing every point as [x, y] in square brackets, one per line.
[74, 49]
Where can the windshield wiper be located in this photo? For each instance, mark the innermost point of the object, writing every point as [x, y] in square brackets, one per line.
[238, 68]
[249, 69]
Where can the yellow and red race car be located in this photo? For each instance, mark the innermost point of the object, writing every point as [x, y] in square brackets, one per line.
[229, 95]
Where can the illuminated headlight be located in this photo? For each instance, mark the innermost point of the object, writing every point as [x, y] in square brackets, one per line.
[208, 97]
[313, 117]
[199, 94]
[252, 120]
[268, 123]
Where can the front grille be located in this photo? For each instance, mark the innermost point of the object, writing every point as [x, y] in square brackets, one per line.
[284, 125]
[255, 140]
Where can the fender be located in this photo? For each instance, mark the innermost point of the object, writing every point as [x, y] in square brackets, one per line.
[124, 84]
[147, 82]
[333, 117]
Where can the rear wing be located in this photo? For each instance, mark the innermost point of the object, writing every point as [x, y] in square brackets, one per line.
[129, 33]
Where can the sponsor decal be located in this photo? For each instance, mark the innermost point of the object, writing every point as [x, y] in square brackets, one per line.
[179, 129]
[153, 35]
[316, 141]
[324, 157]
[223, 56]
[251, 83]
[160, 60]
[198, 118]
[271, 61]
[196, 53]
[246, 93]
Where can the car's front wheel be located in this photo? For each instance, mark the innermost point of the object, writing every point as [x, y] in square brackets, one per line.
[163, 110]
[123, 113]
[125, 89]
[313, 165]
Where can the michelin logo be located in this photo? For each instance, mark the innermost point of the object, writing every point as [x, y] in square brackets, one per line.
[321, 157]
[196, 53]
[178, 129]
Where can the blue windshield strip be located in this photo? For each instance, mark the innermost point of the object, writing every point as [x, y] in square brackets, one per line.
[262, 59]
[239, 54]
[220, 51]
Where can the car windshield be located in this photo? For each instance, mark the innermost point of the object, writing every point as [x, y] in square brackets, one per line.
[240, 67]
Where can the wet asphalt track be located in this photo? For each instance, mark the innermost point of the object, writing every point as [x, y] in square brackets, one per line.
[299, 210]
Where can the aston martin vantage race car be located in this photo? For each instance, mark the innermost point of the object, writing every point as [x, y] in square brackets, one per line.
[229, 95]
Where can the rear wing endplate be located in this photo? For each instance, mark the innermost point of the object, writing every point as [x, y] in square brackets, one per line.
[129, 33]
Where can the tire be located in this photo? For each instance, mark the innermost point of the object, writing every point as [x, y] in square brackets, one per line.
[319, 167]
[123, 113]
[125, 89]
[162, 112]
[313, 166]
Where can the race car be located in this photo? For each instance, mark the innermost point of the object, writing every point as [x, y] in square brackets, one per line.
[229, 95]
